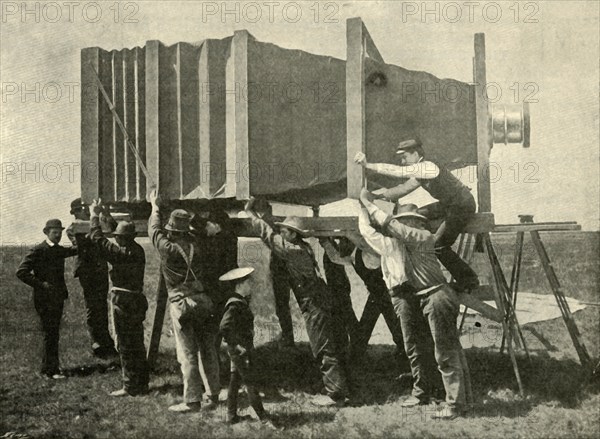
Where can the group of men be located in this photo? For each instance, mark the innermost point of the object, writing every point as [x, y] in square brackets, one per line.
[395, 256]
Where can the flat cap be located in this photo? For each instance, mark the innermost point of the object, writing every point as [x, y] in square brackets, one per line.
[407, 144]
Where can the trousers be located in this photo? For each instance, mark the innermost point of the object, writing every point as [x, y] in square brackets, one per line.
[281, 291]
[345, 322]
[314, 303]
[95, 292]
[50, 312]
[243, 371]
[378, 302]
[129, 310]
[455, 220]
[433, 315]
[198, 357]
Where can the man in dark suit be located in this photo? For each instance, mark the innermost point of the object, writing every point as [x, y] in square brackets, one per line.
[43, 268]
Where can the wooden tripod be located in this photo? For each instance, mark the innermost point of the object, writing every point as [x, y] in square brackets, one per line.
[506, 296]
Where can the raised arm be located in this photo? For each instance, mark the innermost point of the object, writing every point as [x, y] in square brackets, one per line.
[333, 252]
[111, 251]
[424, 170]
[395, 193]
[155, 232]
[265, 231]
[373, 238]
[395, 228]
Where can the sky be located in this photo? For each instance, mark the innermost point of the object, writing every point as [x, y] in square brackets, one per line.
[544, 51]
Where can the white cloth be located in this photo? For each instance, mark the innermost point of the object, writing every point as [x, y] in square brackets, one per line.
[393, 254]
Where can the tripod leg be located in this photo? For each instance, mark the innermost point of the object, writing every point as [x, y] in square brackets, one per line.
[582, 352]
[501, 291]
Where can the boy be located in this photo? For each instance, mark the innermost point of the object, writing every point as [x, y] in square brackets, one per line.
[237, 329]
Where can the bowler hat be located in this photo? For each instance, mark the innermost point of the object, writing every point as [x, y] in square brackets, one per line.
[126, 228]
[53, 224]
[77, 204]
[407, 144]
[179, 221]
[293, 223]
[407, 210]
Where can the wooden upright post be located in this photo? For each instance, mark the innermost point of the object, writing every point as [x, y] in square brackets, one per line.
[484, 127]
[159, 318]
[237, 140]
[355, 104]
[90, 125]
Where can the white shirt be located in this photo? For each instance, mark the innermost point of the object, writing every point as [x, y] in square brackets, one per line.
[50, 243]
[393, 254]
[423, 170]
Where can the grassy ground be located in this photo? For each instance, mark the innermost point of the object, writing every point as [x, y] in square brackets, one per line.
[559, 403]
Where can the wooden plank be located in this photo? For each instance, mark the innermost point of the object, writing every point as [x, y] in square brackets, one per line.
[539, 227]
[106, 153]
[168, 146]
[188, 107]
[152, 102]
[205, 97]
[119, 144]
[90, 125]
[370, 47]
[484, 309]
[242, 157]
[130, 162]
[355, 104]
[140, 119]
[484, 129]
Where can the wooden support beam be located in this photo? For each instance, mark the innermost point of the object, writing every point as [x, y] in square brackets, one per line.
[237, 144]
[140, 121]
[90, 125]
[355, 103]
[152, 59]
[537, 227]
[129, 119]
[119, 144]
[159, 318]
[482, 308]
[484, 126]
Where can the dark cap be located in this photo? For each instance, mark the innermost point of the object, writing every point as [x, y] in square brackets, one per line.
[53, 224]
[76, 204]
[408, 145]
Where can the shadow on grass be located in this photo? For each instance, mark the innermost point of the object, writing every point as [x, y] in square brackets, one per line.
[373, 380]
[89, 369]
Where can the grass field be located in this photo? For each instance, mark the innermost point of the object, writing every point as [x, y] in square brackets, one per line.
[559, 402]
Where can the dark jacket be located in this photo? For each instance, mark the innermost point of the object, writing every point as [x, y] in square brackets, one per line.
[42, 264]
[128, 262]
[88, 261]
[237, 324]
[448, 189]
[220, 256]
